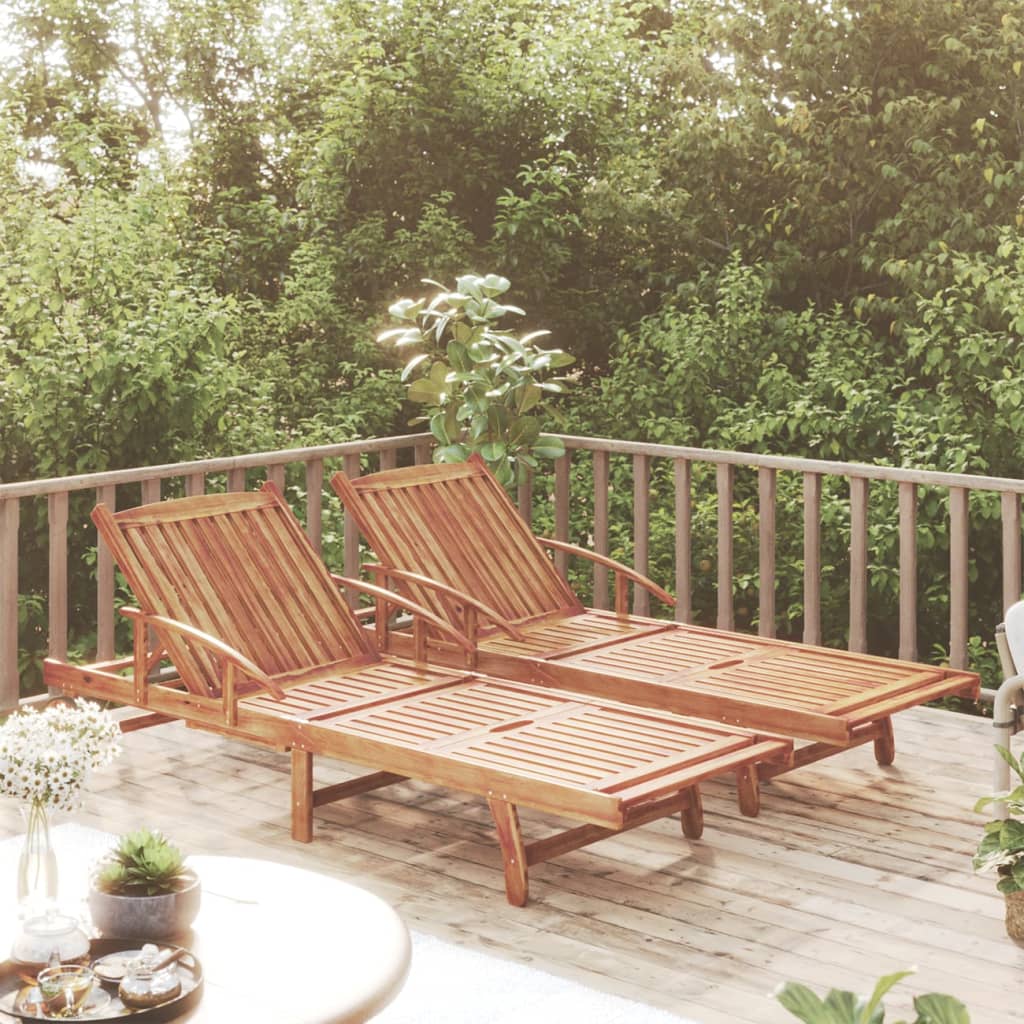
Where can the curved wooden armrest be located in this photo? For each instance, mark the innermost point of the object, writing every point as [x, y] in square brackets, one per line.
[221, 649]
[382, 594]
[458, 595]
[610, 563]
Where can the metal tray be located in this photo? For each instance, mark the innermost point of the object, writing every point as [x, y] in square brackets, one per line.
[190, 972]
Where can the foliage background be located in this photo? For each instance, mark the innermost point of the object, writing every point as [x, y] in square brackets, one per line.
[772, 225]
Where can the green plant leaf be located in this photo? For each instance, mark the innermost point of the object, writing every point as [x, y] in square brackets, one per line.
[439, 429]
[413, 364]
[424, 391]
[804, 1004]
[548, 447]
[493, 451]
[452, 453]
[934, 1008]
[883, 985]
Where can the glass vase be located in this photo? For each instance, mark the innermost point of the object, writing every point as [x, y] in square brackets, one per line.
[37, 864]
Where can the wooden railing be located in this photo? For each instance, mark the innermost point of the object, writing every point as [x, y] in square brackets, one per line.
[358, 456]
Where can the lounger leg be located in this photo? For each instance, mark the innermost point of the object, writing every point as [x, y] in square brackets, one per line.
[692, 815]
[885, 744]
[513, 853]
[302, 795]
[748, 790]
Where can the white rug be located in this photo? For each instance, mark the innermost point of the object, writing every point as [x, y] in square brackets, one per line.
[447, 984]
[451, 985]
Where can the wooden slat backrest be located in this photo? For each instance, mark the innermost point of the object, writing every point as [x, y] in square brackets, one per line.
[237, 566]
[456, 524]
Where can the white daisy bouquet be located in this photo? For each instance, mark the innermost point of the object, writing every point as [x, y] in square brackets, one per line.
[45, 756]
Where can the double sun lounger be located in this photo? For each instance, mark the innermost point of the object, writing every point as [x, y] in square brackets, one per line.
[607, 719]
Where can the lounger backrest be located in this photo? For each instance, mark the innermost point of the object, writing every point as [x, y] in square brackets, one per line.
[237, 566]
[456, 524]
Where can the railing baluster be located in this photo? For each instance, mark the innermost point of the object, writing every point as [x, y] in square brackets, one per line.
[57, 592]
[236, 480]
[724, 476]
[1010, 508]
[275, 474]
[812, 558]
[315, 501]
[150, 491]
[641, 529]
[766, 493]
[195, 484]
[388, 458]
[421, 453]
[10, 683]
[524, 498]
[105, 583]
[908, 570]
[352, 470]
[859, 563]
[683, 473]
[958, 533]
[600, 527]
[562, 510]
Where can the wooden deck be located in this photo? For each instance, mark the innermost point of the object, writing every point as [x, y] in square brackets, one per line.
[850, 872]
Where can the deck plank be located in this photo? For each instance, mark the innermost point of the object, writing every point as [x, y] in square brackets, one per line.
[850, 872]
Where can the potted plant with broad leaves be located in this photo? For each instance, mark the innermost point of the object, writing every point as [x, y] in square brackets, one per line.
[842, 1007]
[143, 889]
[484, 389]
[1002, 847]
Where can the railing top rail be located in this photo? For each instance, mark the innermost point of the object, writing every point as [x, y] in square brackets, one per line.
[33, 488]
[799, 465]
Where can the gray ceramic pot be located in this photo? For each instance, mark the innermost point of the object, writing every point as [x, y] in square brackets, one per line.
[146, 917]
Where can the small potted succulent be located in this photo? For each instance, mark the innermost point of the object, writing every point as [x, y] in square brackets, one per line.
[142, 889]
[1002, 847]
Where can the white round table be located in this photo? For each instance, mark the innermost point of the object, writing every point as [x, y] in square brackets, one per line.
[278, 945]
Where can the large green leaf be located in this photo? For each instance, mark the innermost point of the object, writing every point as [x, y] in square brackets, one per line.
[439, 429]
[872, 1008]
[939, 1009]
[548, 447]
[804, 1004]
[424, 391]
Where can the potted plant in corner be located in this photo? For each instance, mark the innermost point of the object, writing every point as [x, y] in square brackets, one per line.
[142, 889]
[1002, 847]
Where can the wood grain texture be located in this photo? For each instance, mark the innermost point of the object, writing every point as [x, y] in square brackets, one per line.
[848, 874]
[812, 558]
[908, 570]
[105, 584]
[641, 528]
[600, 527]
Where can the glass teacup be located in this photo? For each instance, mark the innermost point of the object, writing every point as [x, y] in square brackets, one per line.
[64, 989]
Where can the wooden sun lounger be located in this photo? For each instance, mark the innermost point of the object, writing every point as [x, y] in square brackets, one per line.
[264, 648]
[450, 538]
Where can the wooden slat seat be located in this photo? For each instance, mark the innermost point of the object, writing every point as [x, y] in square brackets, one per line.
[456, 524]
[264, 648]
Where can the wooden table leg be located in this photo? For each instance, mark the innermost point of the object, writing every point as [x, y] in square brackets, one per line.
[513, 853]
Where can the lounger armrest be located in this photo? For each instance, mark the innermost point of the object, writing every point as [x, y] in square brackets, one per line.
[420, 614]
[622, 573]
[459, 596]
[227, 654]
